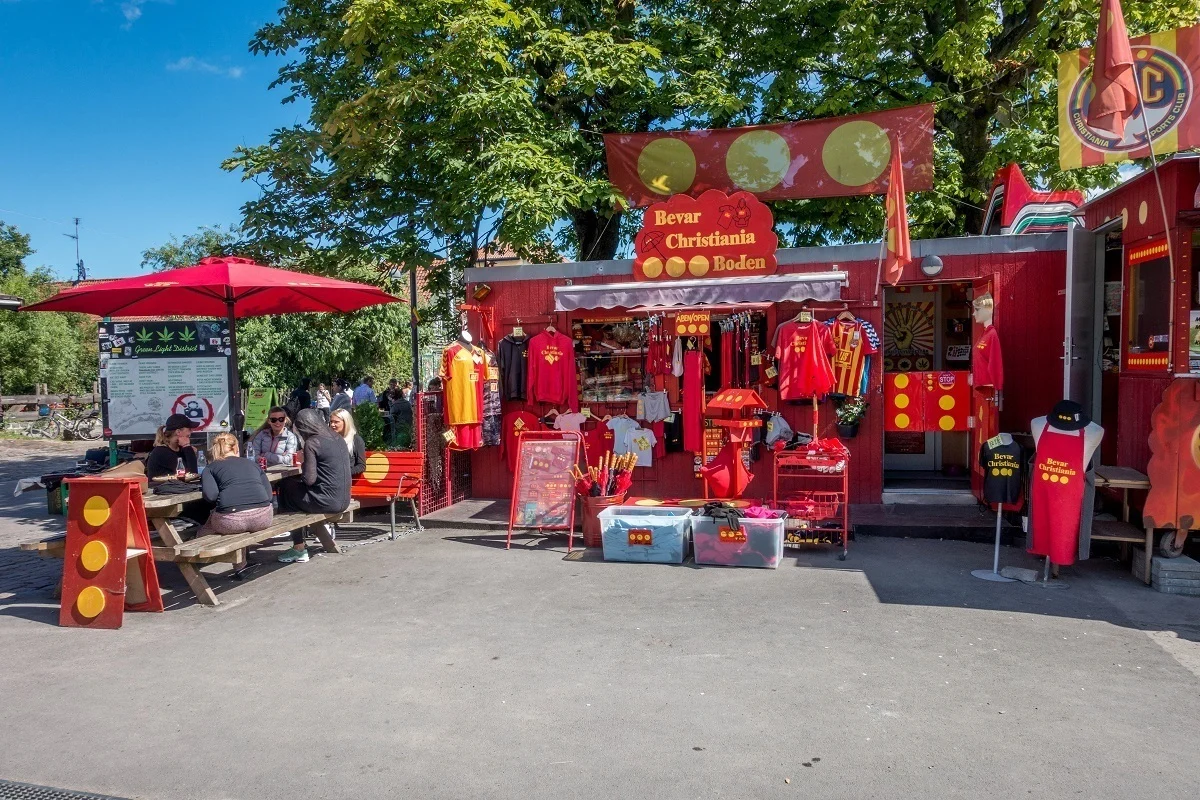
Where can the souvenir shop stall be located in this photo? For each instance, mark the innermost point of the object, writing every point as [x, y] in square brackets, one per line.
[735, 370]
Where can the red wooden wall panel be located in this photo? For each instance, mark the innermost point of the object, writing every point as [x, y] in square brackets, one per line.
[1138, 397]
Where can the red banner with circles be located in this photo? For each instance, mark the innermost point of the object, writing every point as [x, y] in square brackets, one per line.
[836, 157]
[926, 401]
[715, 235]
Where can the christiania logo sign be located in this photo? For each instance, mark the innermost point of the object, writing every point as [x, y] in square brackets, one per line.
[715, 235]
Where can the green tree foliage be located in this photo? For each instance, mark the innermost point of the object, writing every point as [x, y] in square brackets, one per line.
[58, 350]
[437, 126]
[369, 423]
[212, 240]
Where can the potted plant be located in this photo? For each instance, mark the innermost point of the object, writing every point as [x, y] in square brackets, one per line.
[849, 415]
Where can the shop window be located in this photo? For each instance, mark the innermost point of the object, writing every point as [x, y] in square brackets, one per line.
[1149, 305]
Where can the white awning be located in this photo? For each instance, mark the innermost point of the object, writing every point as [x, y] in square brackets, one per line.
[795, 288]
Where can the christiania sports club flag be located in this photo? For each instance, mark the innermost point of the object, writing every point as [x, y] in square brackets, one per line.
[834, 157]
[1167, 66]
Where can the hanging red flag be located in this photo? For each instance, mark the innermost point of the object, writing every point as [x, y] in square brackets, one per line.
[899, 248]
[1114, 93]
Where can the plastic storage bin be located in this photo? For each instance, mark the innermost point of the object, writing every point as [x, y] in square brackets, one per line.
[755, 543]
[658, 535]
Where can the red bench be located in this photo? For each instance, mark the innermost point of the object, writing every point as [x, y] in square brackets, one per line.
[391, 476]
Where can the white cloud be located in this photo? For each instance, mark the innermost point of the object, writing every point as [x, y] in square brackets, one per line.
[193, 64]
[132, 11]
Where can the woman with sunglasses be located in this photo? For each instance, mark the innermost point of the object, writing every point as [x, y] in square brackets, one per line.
[275, 439]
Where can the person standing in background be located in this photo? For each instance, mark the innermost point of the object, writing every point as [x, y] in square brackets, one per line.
[365, 392]
[407, 390]
[322, 399]
[343, 398]
[300, 397]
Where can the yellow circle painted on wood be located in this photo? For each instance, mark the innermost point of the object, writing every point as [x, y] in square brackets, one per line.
[901, 401]
[702, 328]
[946, 402]
[1124, 218]
[675, 266]
[856, 153]
[692, 328]
[667, 166]
[96, 511]
[758, 160]
[946, 423]
[377, 467]
[652, 267]
[698, 266]
[901, 382]
[94, 556]
[90, 602]
[902, 421]
[1143, 212]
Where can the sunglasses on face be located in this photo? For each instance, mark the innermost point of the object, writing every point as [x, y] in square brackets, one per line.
[277, 419]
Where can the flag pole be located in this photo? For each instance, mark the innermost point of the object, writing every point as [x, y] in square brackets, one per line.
[882, 245]
[1162, 204]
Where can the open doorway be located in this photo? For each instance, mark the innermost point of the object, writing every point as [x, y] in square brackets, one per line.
[927, 339]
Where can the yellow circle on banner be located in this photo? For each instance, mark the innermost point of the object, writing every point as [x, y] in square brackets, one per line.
[1143, 212]
[702, 328]
[902, 420]
[698, 266]
[647, 502]
[901, 382]
[1124, 218]
[94, 555]
[946, 402]
[758, 160]
[946, 423]
[675, 266]
[856, 153]
[667, 166]
[377, 468]
[90, 602]
[692, 328]
[901, 401]
[652, 267]
[96, 511]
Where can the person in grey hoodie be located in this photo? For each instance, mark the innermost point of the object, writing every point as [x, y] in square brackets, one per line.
[323, 485]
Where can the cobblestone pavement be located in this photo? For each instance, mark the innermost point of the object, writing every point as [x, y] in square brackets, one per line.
[24, 517]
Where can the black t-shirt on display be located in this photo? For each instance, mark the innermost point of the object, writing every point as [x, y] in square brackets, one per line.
[513, 358]
[1001, 465]
[162, 460]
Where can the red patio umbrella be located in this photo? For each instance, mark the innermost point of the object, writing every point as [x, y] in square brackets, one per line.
[221, 286]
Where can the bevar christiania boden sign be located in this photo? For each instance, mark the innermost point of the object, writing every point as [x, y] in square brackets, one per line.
[715, 235]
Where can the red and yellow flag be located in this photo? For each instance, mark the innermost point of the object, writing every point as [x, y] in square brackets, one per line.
[899, 248]
[1115, 96]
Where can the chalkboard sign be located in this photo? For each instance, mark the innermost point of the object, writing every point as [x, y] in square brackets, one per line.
[259, 403]
[544, 490]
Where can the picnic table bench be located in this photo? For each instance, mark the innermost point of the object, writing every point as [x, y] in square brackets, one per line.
[162, 511]
[391, 476]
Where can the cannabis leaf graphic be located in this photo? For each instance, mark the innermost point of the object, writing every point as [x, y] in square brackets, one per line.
[187, 335]
[165, 335]
[144, 335]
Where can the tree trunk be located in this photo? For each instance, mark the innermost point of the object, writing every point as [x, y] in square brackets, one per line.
[971, 138]
[598, 234]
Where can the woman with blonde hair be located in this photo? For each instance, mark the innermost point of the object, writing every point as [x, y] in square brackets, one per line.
[342, 423]
[239, 489]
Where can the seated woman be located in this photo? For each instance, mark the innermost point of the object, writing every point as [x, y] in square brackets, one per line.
[274, 438]
[171, 443]
[342, 423]
[238, 488]
[323, 486]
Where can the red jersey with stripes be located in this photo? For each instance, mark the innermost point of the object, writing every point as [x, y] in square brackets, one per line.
[854, 341]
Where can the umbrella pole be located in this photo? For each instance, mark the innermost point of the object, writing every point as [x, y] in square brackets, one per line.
[236, 417]
[412, 330]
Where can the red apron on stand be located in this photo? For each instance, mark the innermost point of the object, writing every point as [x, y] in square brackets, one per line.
[1057, 495]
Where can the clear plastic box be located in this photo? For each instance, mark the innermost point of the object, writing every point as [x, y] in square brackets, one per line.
[656, 535]
[755, 543]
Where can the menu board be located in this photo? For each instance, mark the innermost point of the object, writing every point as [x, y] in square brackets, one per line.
[544, 491]
[150, 370]
[259, 403]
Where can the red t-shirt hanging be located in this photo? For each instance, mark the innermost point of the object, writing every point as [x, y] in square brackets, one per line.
[552, 377]
[515, 423]
[802, 351]
[987, 365]
[596, 442]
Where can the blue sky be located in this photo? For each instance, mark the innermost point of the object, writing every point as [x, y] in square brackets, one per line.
[120, 112]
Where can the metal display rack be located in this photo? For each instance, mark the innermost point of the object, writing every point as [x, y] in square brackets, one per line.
[818, 509]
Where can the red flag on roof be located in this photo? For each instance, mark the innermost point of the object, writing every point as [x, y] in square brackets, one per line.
[899, 248]
[1114, 96]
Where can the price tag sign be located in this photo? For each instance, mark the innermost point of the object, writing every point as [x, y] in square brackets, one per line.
[731, 535]
[756, 359]
[448, 435]
[641, 537]
[772, 372]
